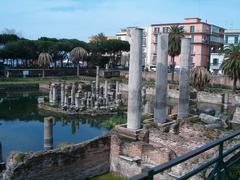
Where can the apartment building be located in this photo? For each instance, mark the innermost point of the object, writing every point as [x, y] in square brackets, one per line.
[231, 36]
[123, 35]
[204, 37]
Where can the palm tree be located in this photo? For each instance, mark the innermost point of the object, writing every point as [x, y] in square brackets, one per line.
[199, 77]
[231, 63]
[44, 60]
[76, 55]
[174, 44]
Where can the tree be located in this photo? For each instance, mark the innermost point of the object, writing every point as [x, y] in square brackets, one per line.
[231, 63]
[78, 54]
[44, 60]
[98, 37]
[174, 44]
[109, 48]
[5, 38]
[199, 77]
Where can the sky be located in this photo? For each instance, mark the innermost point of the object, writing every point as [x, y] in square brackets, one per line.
[83, 18]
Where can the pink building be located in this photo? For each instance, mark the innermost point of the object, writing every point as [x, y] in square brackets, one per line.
[205, 37]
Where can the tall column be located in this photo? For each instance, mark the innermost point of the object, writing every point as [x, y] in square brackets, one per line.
[106, 92]
[48, 133]
[62, 94]
[117, 89]
[183, 104]
[73, 94]
[135, 79]
[50, 93]
[97, 79]
[54, 93]
[160, 109]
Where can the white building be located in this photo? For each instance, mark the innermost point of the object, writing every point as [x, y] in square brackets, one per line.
[123, 35]
[231, 36]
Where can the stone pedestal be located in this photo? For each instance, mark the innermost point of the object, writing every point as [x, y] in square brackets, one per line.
[48, 133]
[160, 110]
[183, 104]
[135, 79]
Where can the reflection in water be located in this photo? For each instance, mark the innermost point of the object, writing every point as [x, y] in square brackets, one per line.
[48, 133]
[23, 128]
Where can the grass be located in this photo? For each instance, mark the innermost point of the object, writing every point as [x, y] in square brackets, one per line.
[108, 176]
[113, 121]
[19, 158]
[33, 80]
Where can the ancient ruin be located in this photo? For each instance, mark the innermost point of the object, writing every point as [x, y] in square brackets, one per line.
[81, 98]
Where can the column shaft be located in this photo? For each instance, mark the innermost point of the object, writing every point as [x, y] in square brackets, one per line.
[160, 109]
[135, 79]
[183, 104]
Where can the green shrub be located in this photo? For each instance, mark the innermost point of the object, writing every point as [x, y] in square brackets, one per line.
[19, 158]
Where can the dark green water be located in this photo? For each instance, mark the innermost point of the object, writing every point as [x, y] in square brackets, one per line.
[21, 124]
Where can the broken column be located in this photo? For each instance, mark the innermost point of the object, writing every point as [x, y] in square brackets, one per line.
[183, 104]
[54, 94]
[48, 133]
[73, 94]
[135, 79]
[62, 94]
[160, 109]
[50, 94]
[106, 92]
[97, 79]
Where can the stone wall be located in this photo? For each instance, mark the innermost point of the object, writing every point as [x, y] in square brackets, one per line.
[218, 80]
[78, 161]
[19, 86]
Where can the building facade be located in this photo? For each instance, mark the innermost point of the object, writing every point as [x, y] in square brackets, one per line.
[231, 36]
[204, 37]
[123, 35]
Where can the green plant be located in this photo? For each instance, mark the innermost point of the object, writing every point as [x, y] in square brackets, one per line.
[174, 44]
[63, 145]
[231, 63]
[19, 157]
[199, 77]
[44, 60]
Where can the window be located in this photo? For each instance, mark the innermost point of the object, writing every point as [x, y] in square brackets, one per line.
[165, 29]
[215, 61]
[236, 40]
[156, 30]
[232, 39]
[192, 29]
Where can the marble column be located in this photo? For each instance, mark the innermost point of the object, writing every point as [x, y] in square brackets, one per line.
[183, 104]
[97, 79]
[116, 90]
[54, 93]
[62, 94]
[225, 100]
[73, 91]
[50, 93]
[106, 92]
[48, 133]
[135, 79]
[160, 108]
[77, 100]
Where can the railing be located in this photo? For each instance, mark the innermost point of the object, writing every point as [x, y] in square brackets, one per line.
[221, 168]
